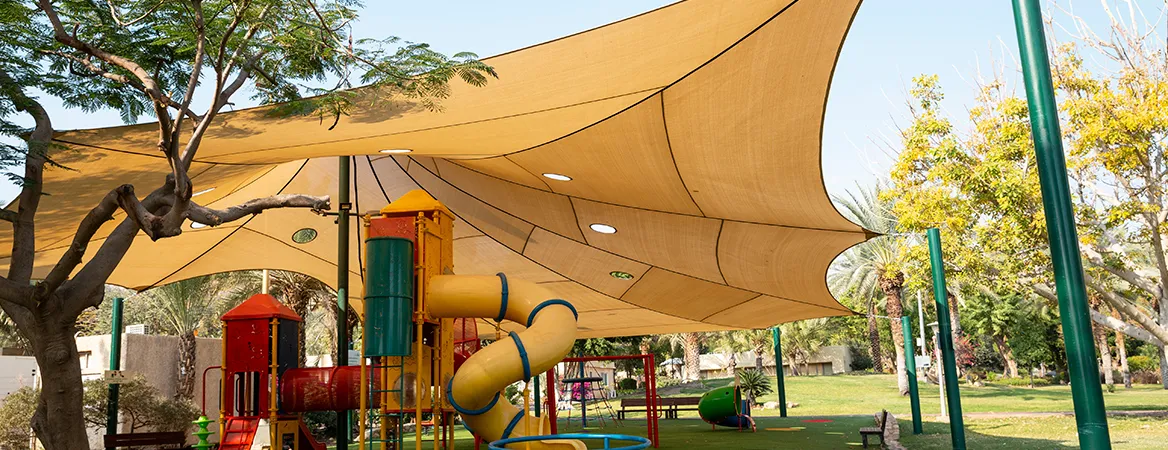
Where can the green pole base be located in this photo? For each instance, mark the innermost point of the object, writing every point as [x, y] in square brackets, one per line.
[202, 422]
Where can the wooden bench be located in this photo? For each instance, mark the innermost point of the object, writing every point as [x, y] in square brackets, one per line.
[878, 431]
[671, 405]
[637, 405]
[176, 439]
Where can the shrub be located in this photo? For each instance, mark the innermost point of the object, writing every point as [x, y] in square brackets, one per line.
[1141, 363]
[667, 382]
[140, 405]
[861, 360]
[628, 384]
[754, 383]
[1146, 376]
[15, 416]
[322, 424]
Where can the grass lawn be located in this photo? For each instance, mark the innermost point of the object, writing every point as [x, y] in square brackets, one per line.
[841, 433]
[868, 394]
[1037, 433]
[849, 401]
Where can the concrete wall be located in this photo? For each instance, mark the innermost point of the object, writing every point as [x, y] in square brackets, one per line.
[155, 358]
[16, 372]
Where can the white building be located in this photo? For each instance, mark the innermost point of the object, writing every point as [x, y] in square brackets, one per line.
[829, 360]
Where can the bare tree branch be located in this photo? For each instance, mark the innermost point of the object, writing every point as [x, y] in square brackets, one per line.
[98, 270]
[182, 108]
[197, 67]
[208, 216]
[114, 14]
[1125, 328]
[1130, 310]
[1103, 319]
[1096, 259]
[63, 36]
[24, 228]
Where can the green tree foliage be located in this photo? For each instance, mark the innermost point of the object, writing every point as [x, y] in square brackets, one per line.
[800, 340]
[184, 308]
[980, 186]
[760, 342]
[153, 58]
[875, 269]
[754, 383]
[1028, 340]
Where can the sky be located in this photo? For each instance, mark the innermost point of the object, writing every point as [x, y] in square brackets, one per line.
[890, 42]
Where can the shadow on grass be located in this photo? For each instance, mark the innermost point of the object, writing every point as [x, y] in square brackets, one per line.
[936, 436]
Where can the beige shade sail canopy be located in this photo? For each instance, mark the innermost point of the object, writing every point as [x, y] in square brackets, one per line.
[693, 130]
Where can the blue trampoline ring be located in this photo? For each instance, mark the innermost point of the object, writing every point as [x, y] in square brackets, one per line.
[640, 442]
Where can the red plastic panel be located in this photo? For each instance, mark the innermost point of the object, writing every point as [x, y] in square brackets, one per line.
[402, 227]
[466, 340]
[248, 343]
[324, 389]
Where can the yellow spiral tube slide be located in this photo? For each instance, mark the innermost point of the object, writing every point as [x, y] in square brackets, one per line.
[476, 389]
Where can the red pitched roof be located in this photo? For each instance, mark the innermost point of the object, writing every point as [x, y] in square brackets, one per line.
[261, 306]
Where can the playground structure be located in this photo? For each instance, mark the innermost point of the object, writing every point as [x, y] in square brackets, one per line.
[420, 339]
[725, 407]
[585, 389]
[652, 410]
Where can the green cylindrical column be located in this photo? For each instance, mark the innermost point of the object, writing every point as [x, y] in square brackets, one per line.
[945, 340]
[1090, 413]
[343, 426]
[910, 366]
[535, 392]
[201, 434]
[111, 421]
[780, 386]
[389, 296]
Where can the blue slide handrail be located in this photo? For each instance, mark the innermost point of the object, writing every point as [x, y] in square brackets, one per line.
[640, 442]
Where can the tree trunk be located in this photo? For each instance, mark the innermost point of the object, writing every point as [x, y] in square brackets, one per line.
[693, 355]
[954, 316]
[1122, 346]
[873, 339]
[185, 389]
[758, 362]
[1008, 356]
[1164, 366]
[58, 418]
[1105, 352]
[892, 304]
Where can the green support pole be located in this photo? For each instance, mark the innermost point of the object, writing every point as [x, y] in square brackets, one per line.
[910, 366]
[536, 393]
[111, 421]
[201, 434]
[343, 426]
[779, 384]
[1060, 223]
[945, 329]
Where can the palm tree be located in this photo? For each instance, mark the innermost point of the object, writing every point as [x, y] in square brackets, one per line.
[183, 308]
[802, 339]
[303, 294]
[691, 345]
[757, 341]
[873, 268]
